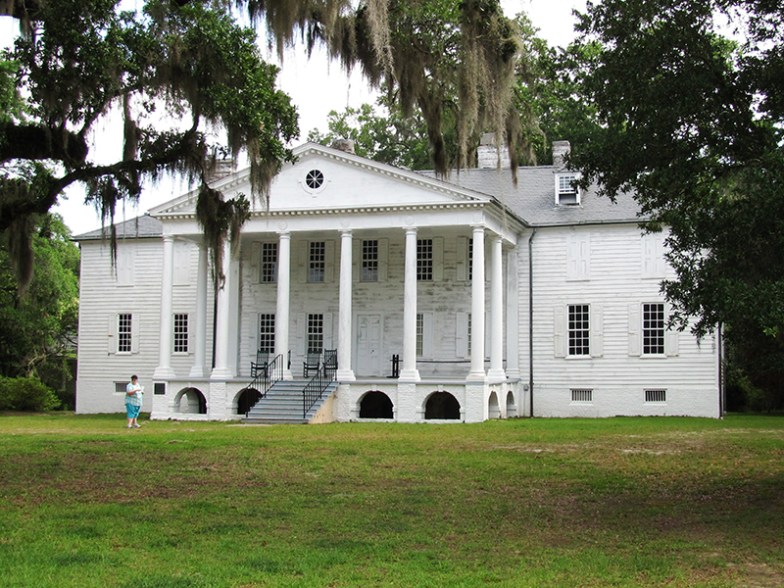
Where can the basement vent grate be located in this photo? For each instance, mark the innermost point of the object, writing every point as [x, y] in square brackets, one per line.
[582, 395]
[656, 396]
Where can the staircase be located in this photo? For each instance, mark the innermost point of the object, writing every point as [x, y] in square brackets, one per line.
[283, 404]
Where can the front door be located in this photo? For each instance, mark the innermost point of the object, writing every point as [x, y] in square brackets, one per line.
[368, 345]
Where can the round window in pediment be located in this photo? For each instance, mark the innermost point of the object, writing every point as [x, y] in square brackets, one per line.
[314, 179]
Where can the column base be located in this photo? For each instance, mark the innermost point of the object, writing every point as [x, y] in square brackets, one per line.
[163, 373]
[476, 377]
[221, 374]
[496, 375]
[345, 376]
[197, 372]
[409, 375]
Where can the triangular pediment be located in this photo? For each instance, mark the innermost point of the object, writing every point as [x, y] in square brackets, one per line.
[323, 178]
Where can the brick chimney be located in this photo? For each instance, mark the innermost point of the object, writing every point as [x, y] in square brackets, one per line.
[487, 153]
[561, 150]
[346, 145]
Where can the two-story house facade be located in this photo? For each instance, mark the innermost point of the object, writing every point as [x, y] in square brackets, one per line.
[465, 299]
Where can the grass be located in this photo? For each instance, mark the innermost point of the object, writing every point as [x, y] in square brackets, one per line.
[614, 502]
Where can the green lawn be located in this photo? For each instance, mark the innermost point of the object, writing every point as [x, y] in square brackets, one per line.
[616, 502]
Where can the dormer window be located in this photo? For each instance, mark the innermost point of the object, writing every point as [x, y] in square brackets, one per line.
[567, 193]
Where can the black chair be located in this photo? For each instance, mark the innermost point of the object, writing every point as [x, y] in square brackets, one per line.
[312, 363]
[330, 362]
[260, 367]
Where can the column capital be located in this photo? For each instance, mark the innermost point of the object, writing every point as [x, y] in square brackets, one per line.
[168, 238]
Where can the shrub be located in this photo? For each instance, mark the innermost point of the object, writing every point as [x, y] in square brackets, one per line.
[26, 394]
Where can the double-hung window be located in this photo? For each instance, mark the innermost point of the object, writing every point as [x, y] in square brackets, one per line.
[267, 333]
[124, 333]
[268, 263]
[181, 333]
[369, 267]
[579, 330]
[425, 260]
[317, 261]
[653, 328]
[315, 333]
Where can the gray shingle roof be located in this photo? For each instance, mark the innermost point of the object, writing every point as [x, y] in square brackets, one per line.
[141, 226]
[533, 200]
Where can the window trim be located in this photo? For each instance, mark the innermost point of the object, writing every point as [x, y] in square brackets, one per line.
[661, 337]
[185, 335]
[586, 332]
[573, 192]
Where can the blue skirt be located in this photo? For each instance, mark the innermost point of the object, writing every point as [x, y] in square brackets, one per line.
[132, 410]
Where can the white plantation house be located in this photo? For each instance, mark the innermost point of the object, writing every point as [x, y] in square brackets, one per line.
[364, 291]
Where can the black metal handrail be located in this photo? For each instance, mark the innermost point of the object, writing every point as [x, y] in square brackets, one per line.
[265, 377]
[314, 389]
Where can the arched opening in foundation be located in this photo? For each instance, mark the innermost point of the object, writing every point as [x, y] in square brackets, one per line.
[375, 405]
[246, 399]
[442, 405]
[190, 401]
[493, 409]
[511, 406]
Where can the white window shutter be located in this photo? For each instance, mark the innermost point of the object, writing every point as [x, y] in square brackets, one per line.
[438, 259]
[356, 259]
[597, 331]
[462, 259]
[383, 259]
[111, 334]
[255, 259]
[584, 267]
[191, 334]
[634, 330]
[329, 261]
[135, 330]
[427, 334]
[329, 342]
[671, 337]
[559, 331]
[302, 263]
[572, 258]
[461, 334]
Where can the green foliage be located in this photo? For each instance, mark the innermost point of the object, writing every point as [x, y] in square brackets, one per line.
[691, 122]
[38, 324]
[390, 138]
[26, 394]
[187, 79]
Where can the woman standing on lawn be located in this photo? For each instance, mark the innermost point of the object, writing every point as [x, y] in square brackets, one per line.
[134, 396]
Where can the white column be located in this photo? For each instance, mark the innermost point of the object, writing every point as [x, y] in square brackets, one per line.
[497, 313]
[223, 319]
[345, 373]
[199, 369]
[283, 301]
[409, 372]
[512, 315]
[164, 370]
[478, 306]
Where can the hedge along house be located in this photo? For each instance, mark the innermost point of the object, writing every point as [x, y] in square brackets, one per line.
[399, 296]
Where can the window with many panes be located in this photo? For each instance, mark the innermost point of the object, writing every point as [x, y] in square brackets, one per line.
[420, 334]
[267, 333]
[124, 333]
[180, 333]
[579, 329]
[425, 260]
[470, 259]
[315, 333]
[567, 191]
[369, 270]
[317, 261]
[653, 327]
[268, 262]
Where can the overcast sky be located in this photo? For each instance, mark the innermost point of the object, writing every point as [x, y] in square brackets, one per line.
[316, 87]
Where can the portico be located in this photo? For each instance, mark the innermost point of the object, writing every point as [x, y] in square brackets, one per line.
[307, 277]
